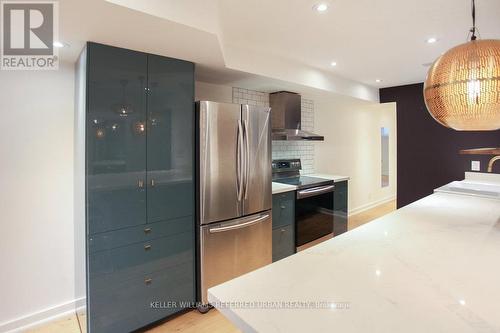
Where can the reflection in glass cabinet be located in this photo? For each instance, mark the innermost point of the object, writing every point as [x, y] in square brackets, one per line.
[116, 155]
[170, 132]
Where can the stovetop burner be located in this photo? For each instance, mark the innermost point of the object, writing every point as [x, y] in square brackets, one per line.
[304, 181]
[288, 172]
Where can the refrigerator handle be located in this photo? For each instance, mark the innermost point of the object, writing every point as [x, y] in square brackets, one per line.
[247, 158]
[239, 159]
[235, 226]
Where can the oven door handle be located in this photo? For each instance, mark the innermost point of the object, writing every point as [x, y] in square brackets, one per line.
[315, 191]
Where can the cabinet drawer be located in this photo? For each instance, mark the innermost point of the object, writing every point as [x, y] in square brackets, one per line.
[130, 304]
[283, 209]
[120, 264]
[146, 232]
[283, 242]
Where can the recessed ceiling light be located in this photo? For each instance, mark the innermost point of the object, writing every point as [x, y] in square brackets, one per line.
[320, 7]
[333, 64]
[58, 44]
[378, 80]
[431, 40]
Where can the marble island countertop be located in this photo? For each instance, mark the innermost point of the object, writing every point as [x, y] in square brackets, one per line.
[280, 188]
[431, 266]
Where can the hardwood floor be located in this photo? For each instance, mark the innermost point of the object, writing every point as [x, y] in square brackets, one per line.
[371, 214]
[213, 321]
[195, 322]
[65, 325]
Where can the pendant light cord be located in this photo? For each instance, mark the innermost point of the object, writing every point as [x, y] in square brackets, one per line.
[473, 29]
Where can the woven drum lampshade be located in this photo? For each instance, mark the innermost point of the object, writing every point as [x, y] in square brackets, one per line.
[462, 89]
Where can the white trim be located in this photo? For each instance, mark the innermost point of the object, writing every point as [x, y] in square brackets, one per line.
[370, 205]
[41, 317]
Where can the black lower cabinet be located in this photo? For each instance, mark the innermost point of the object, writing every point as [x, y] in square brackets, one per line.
[283, 225]
[340, 208]
[140, 202]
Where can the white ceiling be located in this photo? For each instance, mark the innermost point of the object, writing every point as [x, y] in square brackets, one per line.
[369, 39]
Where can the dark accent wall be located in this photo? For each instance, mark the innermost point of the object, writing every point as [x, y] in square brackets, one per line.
[428, 153]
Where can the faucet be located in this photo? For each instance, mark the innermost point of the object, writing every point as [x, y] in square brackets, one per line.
[492, 161]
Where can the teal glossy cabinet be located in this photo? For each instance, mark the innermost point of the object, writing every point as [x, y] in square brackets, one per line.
[283, 225]
[340, 208]
[116, 158]
[170, 138]
[139, 148]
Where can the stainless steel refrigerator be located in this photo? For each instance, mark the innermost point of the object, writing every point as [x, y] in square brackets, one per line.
[234, 187]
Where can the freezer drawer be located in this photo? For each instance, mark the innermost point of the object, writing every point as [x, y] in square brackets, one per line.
[233, 248]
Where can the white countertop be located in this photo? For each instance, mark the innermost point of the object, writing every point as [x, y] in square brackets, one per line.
[335, 178]
[432, 266]
[481, 177]
[280, 188]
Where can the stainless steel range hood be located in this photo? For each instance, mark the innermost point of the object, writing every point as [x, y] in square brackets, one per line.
[286, 117]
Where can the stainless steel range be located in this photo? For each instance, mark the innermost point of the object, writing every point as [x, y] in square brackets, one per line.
[313, 201]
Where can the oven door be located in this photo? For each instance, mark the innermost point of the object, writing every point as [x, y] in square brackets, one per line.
[313, 214]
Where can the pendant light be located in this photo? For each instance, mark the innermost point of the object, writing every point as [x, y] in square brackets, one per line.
[462, 89]
[123, 108]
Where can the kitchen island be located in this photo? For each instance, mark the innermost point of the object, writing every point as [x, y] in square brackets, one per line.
[431, 266]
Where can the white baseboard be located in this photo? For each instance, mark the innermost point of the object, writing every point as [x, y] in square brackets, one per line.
[41, 317]
[370, 205]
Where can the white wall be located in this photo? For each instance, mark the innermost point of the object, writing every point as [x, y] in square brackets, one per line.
[352, 147]
[36, 135]
[213, 92]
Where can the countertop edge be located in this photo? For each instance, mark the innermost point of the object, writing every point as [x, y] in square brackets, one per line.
[282, 188]
[229, 314]
[335, 178]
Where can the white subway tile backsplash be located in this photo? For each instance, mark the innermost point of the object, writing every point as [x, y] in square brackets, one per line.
[285, 149]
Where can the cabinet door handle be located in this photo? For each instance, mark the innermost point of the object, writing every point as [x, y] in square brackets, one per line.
[283, 230]
[282, 207]
[152, 183]
[148, 281]
[140, 183]
[147, 230]
[147, 247]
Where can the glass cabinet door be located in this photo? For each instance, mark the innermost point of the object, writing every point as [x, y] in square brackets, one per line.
[116, 138]
[170, 138]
